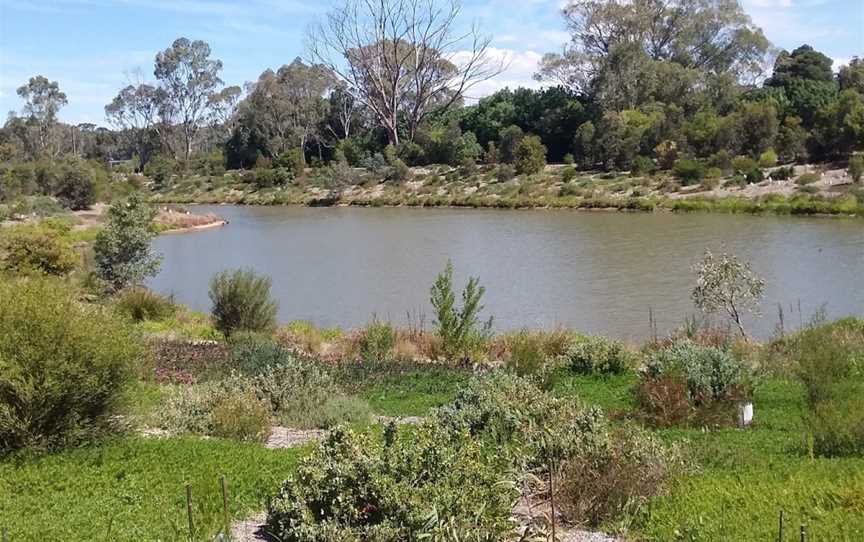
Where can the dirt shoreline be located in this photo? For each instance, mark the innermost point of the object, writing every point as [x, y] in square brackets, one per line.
[217, 224]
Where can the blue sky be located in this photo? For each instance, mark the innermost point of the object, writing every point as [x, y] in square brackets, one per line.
[94, 47]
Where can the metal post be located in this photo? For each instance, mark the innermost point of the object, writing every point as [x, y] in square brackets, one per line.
[780, 536]
[803, 533]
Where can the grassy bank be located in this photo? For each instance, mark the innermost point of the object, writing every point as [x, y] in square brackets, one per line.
[556, 187]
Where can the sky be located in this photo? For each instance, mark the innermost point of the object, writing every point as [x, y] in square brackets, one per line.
[95, 47]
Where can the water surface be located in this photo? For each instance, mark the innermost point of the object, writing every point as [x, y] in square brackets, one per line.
[596, 272]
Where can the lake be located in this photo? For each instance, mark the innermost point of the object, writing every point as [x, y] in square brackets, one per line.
[591, 271]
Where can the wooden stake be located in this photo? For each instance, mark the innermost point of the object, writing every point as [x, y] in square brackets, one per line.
[189, 512]
[803, 533]
[224, 487]
[780, 536]
[552, 497]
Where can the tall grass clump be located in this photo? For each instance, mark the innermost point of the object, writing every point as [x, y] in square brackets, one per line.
[242, 302]
[141, 304]
[830, 363]
[530, 352]
[63, 365]
[376, 342]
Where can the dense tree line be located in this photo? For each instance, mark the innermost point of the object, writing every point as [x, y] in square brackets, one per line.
[642, 84]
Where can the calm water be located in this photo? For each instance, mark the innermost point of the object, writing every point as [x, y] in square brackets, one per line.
[595, 272]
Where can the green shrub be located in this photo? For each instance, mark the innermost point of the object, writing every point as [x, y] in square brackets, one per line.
[377, 341]
[242, 302]
[743, 164]
[37, 249]
[292, 160]
[504, 173]
[524, 424]
[241, 416]
[689, 171]
[265, 178]
[721, 160]
[856, 167]
[597, 355]
[159, 170]
[530, 155]
[414, 485]
[253, 353]
[642, 165]
[142, 304]
[568, 174]
[768, 159]
[77, 186]
[783, 173]
[711, 374]
[830, 360]
[458, 328]
[63, 365]
[301, 393]
[122, 251]
[754, 176]
[569, 159]
[189, 409]
[339, 409]
[807, 178]
[399, 171]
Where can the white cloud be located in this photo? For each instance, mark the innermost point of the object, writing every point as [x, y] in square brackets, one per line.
[838, 62]
[519, 71]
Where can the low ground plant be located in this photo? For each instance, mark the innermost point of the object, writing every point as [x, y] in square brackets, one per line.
[133, 488]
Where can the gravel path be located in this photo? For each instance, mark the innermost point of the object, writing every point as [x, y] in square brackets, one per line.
[285, 437]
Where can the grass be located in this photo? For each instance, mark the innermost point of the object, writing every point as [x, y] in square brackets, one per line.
[612, 393]
[133, 489]
[413, 392]
[742, 479]
[184, 324]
